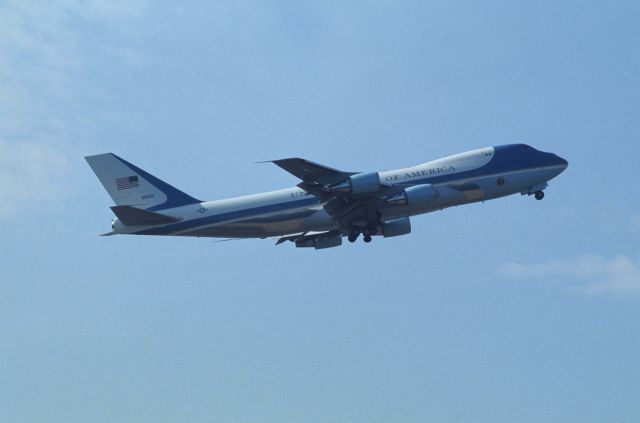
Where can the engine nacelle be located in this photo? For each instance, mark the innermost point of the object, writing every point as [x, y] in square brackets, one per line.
[416, 195]
[362, 183]
[396, 227]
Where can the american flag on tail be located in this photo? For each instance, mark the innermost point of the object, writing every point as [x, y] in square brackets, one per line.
[127, 182]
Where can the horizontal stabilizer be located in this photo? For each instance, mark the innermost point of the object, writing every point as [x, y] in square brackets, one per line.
[133, 216]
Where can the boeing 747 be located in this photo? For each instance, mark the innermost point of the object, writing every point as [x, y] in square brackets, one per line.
[328, 204]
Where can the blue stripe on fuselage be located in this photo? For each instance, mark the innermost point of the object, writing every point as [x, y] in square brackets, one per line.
[228, 216]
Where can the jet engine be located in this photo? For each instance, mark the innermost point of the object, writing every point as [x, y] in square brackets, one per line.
[396, 227]
[362, 183]
[416, 195]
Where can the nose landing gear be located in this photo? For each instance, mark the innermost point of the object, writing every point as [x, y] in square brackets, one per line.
[539, 195]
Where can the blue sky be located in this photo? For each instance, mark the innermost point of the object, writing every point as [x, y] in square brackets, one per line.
[512, 310]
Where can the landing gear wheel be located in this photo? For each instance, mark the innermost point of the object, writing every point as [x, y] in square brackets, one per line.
[539, 195]
[367, 238]
[353, 236]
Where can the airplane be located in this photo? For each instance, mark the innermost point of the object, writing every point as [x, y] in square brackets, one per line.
[327, 204]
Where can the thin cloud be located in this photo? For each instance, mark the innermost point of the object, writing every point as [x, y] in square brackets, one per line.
[41, 109]
[31, 172]
[634, 224]
[592, 274]
[113, 10]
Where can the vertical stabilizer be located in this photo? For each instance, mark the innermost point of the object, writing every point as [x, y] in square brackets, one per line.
[129, 185]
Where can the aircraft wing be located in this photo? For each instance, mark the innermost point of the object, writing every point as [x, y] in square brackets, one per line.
[315, 177]
[309, 171]
[345, 208]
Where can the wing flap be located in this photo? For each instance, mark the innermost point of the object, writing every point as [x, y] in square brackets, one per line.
[317, 240]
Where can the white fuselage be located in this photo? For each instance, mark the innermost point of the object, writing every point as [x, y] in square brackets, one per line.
[459, 179]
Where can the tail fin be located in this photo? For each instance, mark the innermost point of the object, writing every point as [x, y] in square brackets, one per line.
[129, 185]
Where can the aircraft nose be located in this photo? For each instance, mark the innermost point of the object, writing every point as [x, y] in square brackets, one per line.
[562, 162]
[555, 160]
[559, 164]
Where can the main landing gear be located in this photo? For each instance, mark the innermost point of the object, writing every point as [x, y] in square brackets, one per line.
[539, 195]
[353, 236]
[367, 227]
